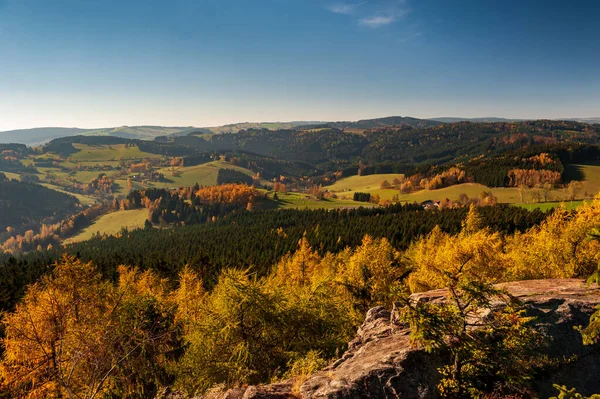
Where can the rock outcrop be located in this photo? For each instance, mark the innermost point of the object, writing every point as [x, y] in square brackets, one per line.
[380, 362]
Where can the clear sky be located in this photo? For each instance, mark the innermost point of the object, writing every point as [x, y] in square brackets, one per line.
[107, 63]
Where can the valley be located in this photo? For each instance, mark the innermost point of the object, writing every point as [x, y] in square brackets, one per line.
[296, 230]
[326, 165]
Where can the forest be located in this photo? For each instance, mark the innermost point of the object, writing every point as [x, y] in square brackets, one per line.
[398, 148]
[150, 325]
[26, 205]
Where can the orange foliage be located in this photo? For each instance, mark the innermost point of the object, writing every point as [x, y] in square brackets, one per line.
[232, 193]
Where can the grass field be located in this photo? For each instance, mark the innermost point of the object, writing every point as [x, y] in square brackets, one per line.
[362, 183]
[112, 223]
[544, 206]
[305, 201]
[590, 175]
[101, 153]
[84, 176]
[205, 174]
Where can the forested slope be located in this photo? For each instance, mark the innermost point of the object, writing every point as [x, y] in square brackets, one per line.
[24, 205]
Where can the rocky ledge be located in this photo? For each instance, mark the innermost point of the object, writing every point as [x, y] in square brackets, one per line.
[380, 362]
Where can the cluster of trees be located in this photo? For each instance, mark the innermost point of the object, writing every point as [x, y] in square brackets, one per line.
[191, 205]
[432, 180]
[532, 177]
[362, 197]
[11, 156]
[558, 248]
[98, 185]
[228, 193]
[140, 332]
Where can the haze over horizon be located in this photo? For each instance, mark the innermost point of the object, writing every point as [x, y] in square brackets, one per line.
[204, 63]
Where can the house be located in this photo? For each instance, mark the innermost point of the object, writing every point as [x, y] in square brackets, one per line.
[429, 204]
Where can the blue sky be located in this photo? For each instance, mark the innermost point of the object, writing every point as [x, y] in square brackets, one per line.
[208, 62]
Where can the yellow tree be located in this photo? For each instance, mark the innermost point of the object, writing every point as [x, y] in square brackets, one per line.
[54, 340]
[558, 248]
[475, 251]
[75, 335]
[372, 273]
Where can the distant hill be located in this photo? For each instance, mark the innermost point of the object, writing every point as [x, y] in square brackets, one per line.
[43, 135]
[493, 119]
[37, 135]
[366, 124]
[490, 119]
[236, 127]
[140, 132]
[585, 120]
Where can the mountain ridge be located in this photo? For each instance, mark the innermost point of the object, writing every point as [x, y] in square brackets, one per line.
[42, 135]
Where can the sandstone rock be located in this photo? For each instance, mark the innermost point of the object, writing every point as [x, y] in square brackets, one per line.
[380, 362]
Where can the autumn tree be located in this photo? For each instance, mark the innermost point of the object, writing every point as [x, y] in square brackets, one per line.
[475, 250]
[397, 182]
[373, 273]
[558, 248]
[76, 335]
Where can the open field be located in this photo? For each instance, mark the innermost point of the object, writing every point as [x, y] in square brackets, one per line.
[590, 174]
[101, 153]
[305, 201]
[84, 176]
[205, 174]
[362, 183]
[112, 223]
[544, 206]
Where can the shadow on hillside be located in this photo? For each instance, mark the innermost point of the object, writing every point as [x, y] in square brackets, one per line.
[573, 172]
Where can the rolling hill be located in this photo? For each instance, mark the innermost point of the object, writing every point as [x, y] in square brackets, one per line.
[367, 124]
[43, 135]
[37, 135]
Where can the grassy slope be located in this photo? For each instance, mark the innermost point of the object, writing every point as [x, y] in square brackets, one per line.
[139, 132]
[305, 201]
[591, 175]
[103, 153]
[204, 175]
[112, 223]
[551, 205]
[362, 183]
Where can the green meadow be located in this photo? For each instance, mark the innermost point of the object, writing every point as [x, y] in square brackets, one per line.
[112, 223]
